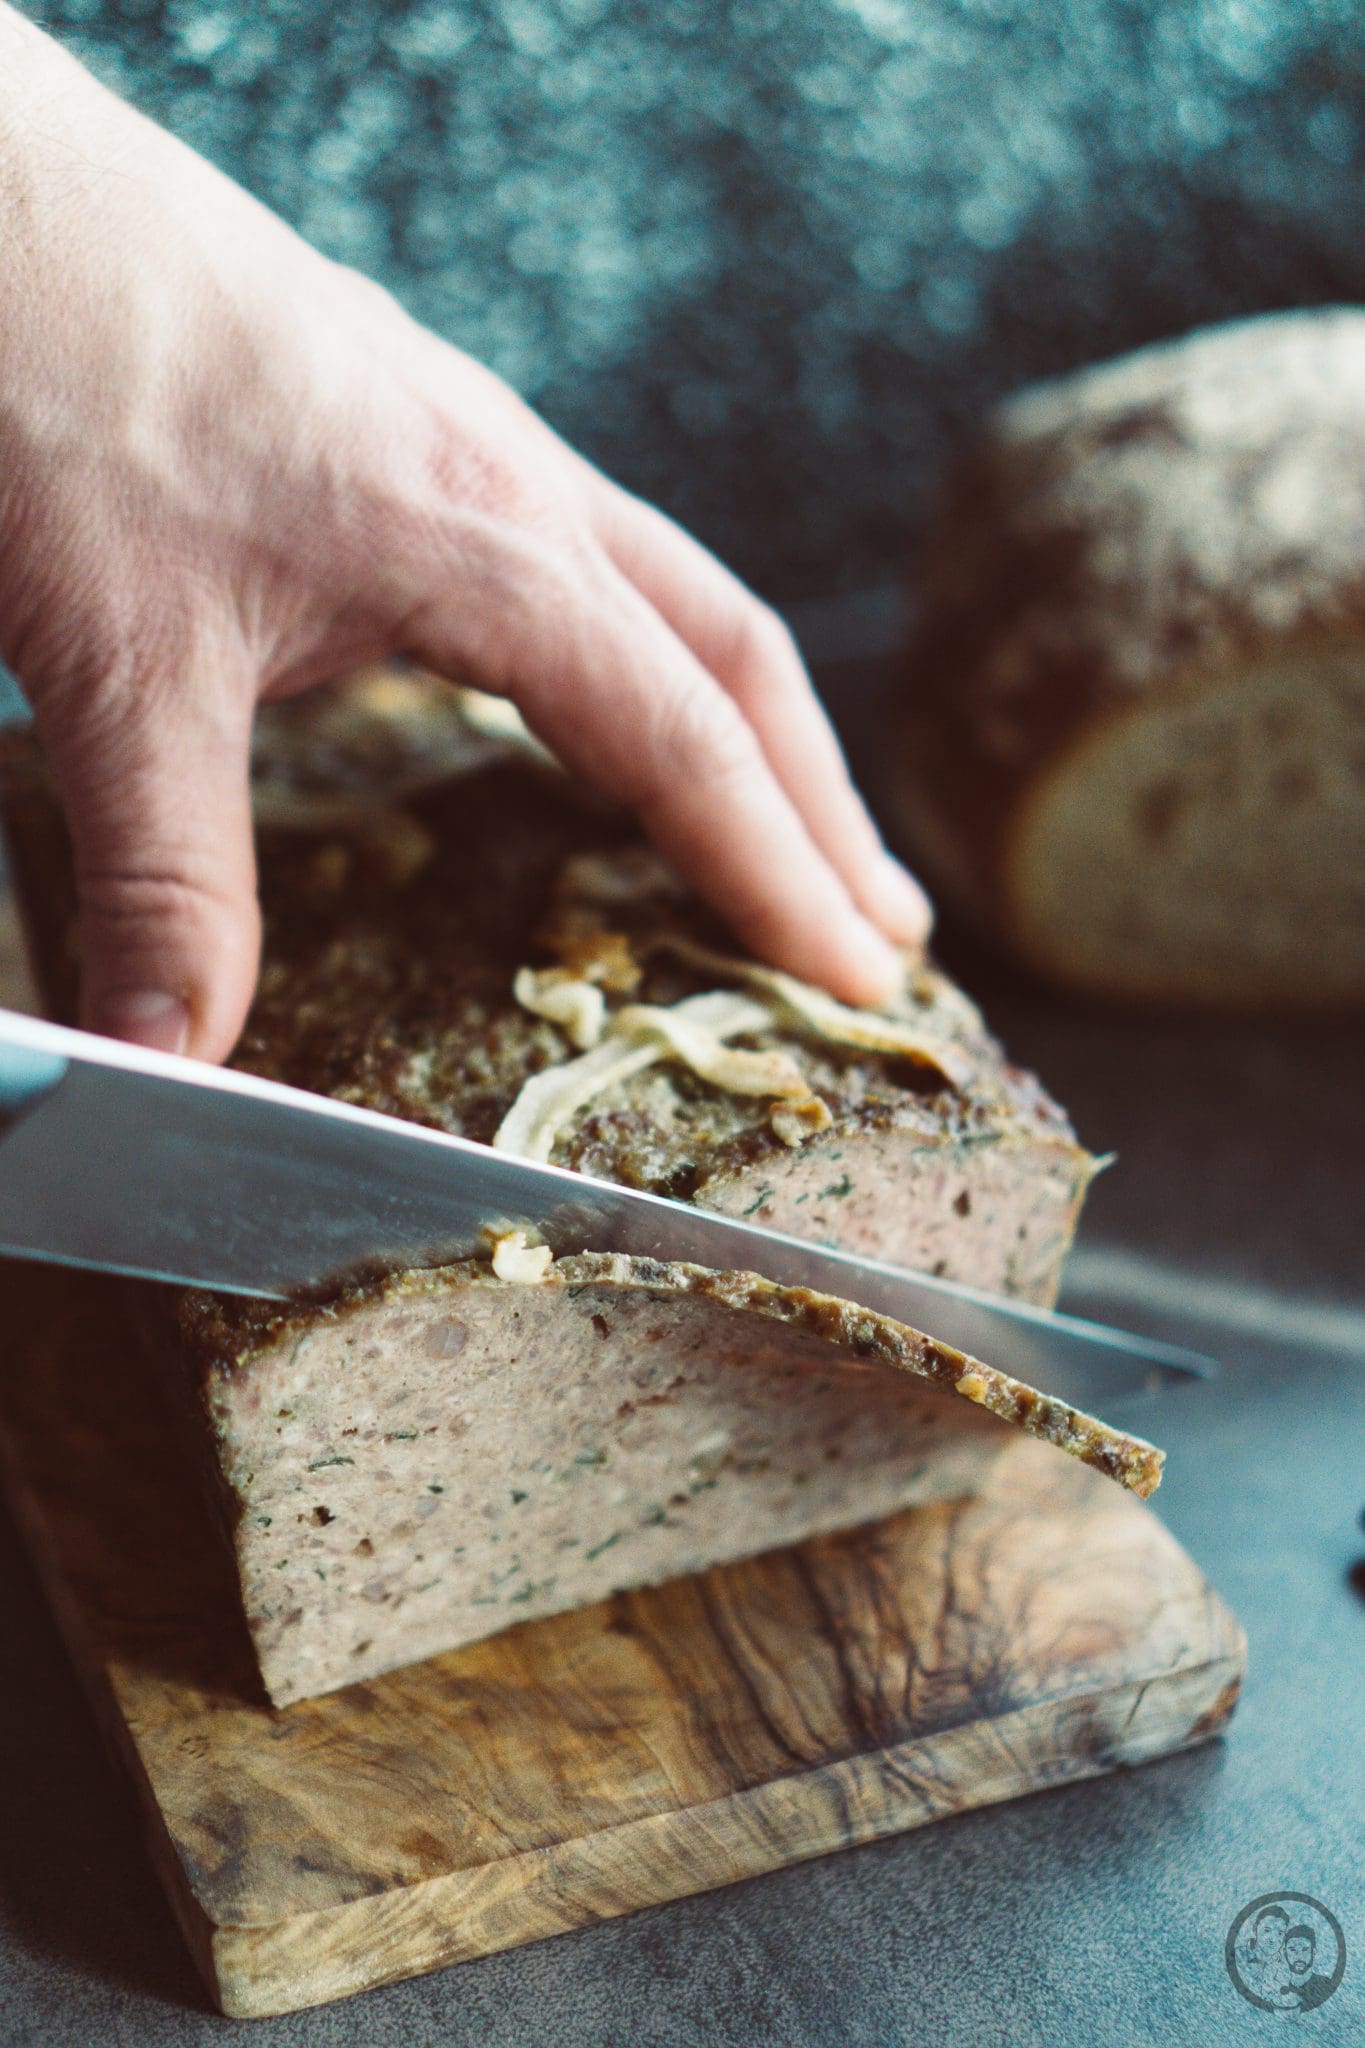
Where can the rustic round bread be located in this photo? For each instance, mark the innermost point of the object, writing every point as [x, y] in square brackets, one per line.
[1135, 737]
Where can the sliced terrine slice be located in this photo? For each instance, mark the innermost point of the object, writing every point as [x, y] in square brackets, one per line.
[456, 934]
[443, 1453]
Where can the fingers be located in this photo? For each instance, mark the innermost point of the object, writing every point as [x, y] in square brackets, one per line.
[613, 691]
[746, 647]
[154, 784]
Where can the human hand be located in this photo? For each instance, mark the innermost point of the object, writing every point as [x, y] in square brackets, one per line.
[230, 469]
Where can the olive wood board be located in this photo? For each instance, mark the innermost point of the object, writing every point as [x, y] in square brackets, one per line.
[575, 1768]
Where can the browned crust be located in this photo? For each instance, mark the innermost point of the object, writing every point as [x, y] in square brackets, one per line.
[366, 961]
[225, 1338]
[1124, 531]
[369, 960]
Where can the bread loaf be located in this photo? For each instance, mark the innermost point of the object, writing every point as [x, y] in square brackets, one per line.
[1134, 746]
[432, 1456]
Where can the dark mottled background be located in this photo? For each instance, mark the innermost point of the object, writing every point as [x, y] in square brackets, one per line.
[764, 258]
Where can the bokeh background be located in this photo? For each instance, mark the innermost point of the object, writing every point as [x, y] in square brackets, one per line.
[766, 259]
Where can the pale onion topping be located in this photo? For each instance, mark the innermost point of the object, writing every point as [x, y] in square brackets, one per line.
[794, 1122]
[739, 1072]
[613, 1045]
[515, 1259]
[577, 1006]
[694, 1028]
[819, 1013]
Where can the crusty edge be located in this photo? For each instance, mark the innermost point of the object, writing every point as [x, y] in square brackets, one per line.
[1130, 1460]
[963, 815]
[1034, 631]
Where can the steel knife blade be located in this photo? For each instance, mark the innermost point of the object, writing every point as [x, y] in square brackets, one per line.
[141, 1163]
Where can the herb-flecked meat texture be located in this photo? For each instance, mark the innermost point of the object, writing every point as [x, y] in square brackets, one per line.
[443, 1453]
[391, 985]
[432, 1456]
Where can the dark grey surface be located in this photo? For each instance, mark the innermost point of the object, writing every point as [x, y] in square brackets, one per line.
[765, 261]
[1090, 1916]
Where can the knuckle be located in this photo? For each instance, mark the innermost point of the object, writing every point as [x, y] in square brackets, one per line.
[472, 471]
[476, 509]
[703, 732]
[127, 902]
[477, 454]
[499, 485]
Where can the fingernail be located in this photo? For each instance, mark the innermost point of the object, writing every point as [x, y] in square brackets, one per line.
[881, 971]
[144, 1016]
[903, 905]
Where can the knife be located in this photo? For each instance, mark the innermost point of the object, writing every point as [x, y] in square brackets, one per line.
[138, 1162]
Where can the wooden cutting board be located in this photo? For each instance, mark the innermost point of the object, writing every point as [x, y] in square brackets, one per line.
[576, 1768]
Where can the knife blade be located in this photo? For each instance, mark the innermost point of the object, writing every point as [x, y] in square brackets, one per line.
[138, 1162]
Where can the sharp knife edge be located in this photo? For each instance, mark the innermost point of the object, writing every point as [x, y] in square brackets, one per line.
[137, 1162]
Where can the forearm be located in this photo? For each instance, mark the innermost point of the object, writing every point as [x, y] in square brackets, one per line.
[63, 139]
[118, 245]
[146, 360]
[69, 146]
[86, 330]
[35, 73]
[43, 96]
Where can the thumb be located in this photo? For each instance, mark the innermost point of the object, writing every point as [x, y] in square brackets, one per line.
[156, 793]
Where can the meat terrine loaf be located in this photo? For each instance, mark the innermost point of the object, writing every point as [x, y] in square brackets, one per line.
[1134, 746]
[457, 935]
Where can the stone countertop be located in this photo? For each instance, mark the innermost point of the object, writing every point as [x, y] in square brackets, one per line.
[1094, 1913]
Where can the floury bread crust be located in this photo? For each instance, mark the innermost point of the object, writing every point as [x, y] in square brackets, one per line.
[1134, 746]
[433, 1456]
[444, 1453]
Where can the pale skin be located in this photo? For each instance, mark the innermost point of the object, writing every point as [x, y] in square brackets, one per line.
[231, 469]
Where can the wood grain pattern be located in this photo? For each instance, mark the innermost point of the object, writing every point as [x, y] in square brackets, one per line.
[580, 1767]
